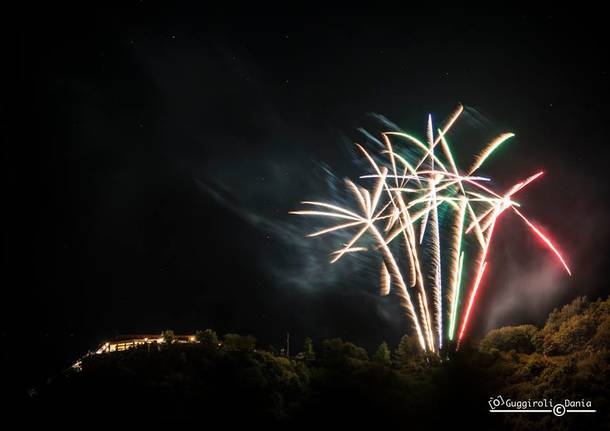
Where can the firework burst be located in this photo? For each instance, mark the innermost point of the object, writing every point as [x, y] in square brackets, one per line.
[408, 203]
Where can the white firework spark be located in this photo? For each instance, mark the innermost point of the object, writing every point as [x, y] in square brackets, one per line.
[389, 210]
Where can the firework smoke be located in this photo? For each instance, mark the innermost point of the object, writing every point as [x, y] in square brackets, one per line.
[425, 192]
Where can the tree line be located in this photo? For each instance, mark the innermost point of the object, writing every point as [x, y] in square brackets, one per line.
[231, 379]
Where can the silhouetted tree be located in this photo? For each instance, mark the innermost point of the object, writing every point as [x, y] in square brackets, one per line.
[308, 352]
[408, 352]
[518, 338]
[207, 338]
[168, 336]
[336, 350]
[236, 342]
[382, 355]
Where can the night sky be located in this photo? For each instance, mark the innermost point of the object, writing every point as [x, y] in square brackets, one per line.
[160, 150]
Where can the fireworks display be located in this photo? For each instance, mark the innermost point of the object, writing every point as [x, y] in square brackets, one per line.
[416, 210]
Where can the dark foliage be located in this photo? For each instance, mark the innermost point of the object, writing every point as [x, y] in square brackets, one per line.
[230, 382]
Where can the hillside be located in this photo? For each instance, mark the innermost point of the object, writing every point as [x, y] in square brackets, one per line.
[335, 381]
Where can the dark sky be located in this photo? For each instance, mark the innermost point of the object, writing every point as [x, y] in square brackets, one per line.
[160, 150]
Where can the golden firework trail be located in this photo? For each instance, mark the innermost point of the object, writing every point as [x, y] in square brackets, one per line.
[392, 208]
